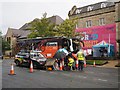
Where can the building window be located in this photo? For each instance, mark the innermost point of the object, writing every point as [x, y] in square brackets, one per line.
[102, 21]
[103, 5]
[88, 23]
[78, 11]
[9, 40]
[90, 8]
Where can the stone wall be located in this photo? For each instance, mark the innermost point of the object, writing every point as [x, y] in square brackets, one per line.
[107, 13]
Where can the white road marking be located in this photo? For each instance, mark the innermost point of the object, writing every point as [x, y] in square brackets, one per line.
[66, 74]
[82, 77]
[103, 80]
[53, 72]
[43, 71]
[89, 72]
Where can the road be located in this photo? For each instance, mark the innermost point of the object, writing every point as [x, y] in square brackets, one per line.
[91, 77]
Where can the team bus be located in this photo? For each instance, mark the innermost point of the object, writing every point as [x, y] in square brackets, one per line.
[49, 45]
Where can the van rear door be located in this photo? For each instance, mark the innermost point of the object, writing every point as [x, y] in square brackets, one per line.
[50, 49]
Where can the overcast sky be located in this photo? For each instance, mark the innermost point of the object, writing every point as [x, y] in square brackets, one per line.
[15, 14]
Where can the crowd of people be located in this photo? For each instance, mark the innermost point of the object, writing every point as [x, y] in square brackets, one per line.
[71, 59]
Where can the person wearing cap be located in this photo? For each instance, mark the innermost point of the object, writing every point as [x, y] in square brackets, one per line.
[81, 58]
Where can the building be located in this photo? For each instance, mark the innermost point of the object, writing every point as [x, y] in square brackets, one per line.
[54, 19]
[97, 22]
[13, 35]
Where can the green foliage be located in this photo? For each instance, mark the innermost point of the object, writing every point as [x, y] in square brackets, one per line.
[5, 46]
[41, 28]
[0, 33]
[97, 62]
[67, 28]
[44, 28]
[0, 41]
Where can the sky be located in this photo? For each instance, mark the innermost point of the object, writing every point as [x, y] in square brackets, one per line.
[15, 13]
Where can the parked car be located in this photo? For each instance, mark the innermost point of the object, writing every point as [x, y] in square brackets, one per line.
[25, 58]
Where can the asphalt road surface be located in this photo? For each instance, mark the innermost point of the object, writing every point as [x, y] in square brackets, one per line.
[91, 77]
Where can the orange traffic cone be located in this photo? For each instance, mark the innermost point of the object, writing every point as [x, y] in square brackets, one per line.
[31, 67]
[84, 63]
[94, 63]
[12, 70]
[60, 66]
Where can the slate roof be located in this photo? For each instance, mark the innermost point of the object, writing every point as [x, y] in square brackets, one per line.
[25, 26]
[93, 7]
[54, 19]
[18, 33]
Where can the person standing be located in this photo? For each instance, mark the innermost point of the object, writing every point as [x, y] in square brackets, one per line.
[81, 58]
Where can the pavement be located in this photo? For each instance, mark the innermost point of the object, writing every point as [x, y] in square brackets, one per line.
[111, 64]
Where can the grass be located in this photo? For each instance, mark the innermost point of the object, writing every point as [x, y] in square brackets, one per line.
[97, 62]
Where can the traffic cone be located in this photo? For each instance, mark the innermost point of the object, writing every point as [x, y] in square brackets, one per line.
[60, 66]
[94, 63]
[31, 67]
[84, 63]
[76, 65]
[12, 70]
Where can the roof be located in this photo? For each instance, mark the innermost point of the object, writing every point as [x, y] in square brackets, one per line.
[25, 26]
[18, 33]
[102, 44]
[91, 7]
[54, 19]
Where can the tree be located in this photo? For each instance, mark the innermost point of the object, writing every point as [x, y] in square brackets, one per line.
[41, 28]
[67, 28]
[0, 42]
[4, 44]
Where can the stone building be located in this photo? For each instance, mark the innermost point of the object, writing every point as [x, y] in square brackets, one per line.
[13, 35]
[97, 22]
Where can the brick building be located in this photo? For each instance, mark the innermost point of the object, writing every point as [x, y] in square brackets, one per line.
[98, 22]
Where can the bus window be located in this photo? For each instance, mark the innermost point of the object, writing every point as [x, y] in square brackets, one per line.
[51, 44]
